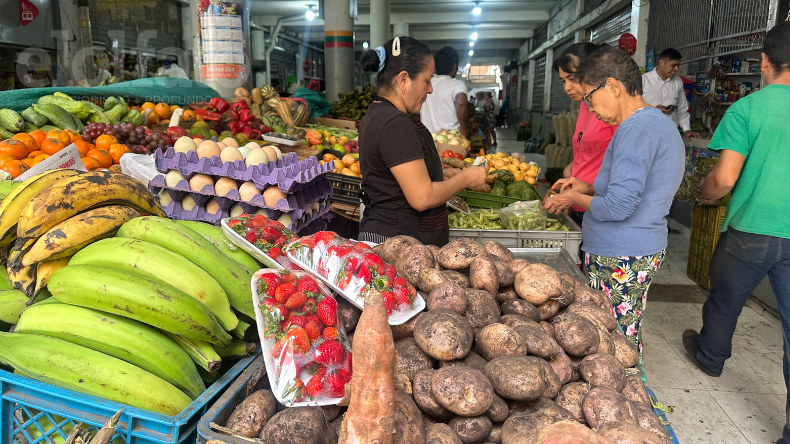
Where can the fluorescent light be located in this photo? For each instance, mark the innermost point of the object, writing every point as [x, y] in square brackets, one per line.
[473, 36]
[476, 10]
[365, 45]
[471, 52]
[471, 43]
[309, 14]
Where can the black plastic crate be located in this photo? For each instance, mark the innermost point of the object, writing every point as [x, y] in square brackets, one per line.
[345, 189]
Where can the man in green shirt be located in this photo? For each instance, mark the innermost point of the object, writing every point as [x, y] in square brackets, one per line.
[754, 140]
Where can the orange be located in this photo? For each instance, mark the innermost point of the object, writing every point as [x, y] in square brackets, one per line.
[104, 141]
[60, 135]
[5, 158]
[117, 150]
[29, 162]
[52, 145]
[146, 105]
[33, 154]
[102, 156]
[173, 109]
[38, 135]
[153, 119]
[91, 164]
[74, 135]
[83, 147]
[15, 168]
[30, 142]
[38, 159]
[188, 116]
[14, 148]
[163, 110]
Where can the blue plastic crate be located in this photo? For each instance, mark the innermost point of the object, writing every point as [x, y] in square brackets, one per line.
[38, 412]
[663, 416]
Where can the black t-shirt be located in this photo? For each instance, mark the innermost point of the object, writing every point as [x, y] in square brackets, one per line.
[387, 138]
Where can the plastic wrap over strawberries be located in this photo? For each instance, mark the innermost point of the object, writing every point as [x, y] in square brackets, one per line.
[262, 238]
[307, 354]
[351, 268]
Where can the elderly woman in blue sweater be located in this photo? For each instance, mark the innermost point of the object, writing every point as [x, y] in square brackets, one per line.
[625, 227]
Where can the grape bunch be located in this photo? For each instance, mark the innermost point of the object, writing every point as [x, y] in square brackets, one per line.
[134, 137]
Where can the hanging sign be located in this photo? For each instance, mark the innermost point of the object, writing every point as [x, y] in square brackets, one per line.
[627, 43]
[27, 12]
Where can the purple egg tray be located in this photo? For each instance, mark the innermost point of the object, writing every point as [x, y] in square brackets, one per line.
[319, 224]
[288, 173]
[301, 199]
[199, 213]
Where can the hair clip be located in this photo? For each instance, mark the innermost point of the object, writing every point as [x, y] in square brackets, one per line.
[382, 53]
[396, 47]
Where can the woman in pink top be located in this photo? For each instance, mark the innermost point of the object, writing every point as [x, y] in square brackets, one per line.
[592, 136]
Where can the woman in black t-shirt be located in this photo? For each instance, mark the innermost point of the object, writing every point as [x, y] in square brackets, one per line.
[402, 182]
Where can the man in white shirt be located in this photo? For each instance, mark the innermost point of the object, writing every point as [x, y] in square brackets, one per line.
[446, 108]
[664, 90]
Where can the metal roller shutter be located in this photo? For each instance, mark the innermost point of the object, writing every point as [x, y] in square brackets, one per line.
[559, 99]
[610, 30]
[540, 80]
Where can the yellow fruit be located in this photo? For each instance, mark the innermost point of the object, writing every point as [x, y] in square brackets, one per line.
[499, 163]
[512, 168]
[531, 180]
[531, 173]
[518, 175]
[523, 166]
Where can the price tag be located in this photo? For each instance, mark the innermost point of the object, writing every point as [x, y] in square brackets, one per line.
[480, 161]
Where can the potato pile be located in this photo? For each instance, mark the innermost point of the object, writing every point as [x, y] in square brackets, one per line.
[507, 352]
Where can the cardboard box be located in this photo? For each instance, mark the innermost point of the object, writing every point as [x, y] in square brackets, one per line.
[442, 147]
[337, 123]
[68, 158]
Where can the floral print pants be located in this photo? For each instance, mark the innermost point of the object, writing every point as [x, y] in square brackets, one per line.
[625, 280]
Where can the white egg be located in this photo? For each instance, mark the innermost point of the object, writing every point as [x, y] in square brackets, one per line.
[261, 212]
[187, 203]
[256, 157]
[173, 177]
[235, 210]
[184, 144]
[244, 151]
[285, 219]
[252, 145]
[277, 150]
[164, 198]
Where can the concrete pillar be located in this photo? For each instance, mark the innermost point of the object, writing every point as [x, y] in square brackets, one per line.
[580, 35]
[401, 29]
[379, 22]
[67, 33]
[531, 85]
[338, 48]
[549, 75]
[640, 13]
[518, 87]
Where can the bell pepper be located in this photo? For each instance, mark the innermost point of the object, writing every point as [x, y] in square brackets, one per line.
[239, 106]
[207, 115]
[219, 104]
[447, 153]
[252, 133]
[246, 116]
[199, 105]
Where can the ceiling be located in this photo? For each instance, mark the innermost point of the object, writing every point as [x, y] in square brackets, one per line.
[502, 26]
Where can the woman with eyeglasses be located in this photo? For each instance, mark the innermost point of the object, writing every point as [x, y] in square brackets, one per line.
[591, 136]
[625, 227]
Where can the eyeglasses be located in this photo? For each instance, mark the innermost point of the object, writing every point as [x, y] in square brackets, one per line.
[586, 99]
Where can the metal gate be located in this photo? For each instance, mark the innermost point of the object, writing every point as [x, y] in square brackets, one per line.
[610, 30]
[133, 18]
[559, 100]
[540, 82]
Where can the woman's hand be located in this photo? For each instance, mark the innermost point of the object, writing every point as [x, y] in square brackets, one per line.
[475, 175]
[561, 203]
[573, 184]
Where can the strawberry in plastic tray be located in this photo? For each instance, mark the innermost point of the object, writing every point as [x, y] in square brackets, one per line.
[351, 268]
[263, 238]
[307, 353]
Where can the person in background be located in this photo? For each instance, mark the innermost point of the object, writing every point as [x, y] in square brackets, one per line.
[625, 227]
[169, 68]
[663, 89]
[473, 100]
[445, 107]
[591, 136]
[755, 238]
[403, 187]
[488, 108]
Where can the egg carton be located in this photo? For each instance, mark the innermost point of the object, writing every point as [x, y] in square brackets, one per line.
[289, 173]
[319, 224]
[314, 191]
[199, 213]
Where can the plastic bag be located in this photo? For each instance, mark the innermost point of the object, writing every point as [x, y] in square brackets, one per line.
[523, 216]
[140, 166]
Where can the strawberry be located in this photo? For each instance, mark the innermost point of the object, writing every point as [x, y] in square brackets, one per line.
[270, 234]
[262, 245]
[374, 262]
[296, 388]
[268, 284]
[297, 319]
[343, 280]
[390, 272]
[381, 283]
[251, 237]
[307, 242]
[299, 339]
[343, 374]
[389, 301]
[315, 368]
[399, 282]
[277, 349]
[269, 303]
[276, 225]
[347, 362]
[329, 353]
[234, 223]
[284, 291]
[324, 236]
[274, 252]
[282, 240]
[312, 331]
[401, 296]
[335, 386]
[364, 275]
[314, 318]
[284, 312]
[308, 285]
[315, 386]
[352, 264]
[340, 251]
[330, 333]
[361, 247]
[258, 221]
[327, 311]
[296, 300]
[310, 305]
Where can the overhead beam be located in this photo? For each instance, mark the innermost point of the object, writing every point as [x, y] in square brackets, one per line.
[464, 35]
[414, 18]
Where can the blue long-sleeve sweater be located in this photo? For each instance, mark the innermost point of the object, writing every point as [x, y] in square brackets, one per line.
[641, 171]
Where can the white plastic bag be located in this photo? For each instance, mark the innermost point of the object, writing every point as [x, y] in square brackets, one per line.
[140, 166]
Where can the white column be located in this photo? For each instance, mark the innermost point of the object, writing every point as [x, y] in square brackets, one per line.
[338, 48]
[379, 22]
[401, 29]
[518, 86]
[549, 75]
[580, 35]
[640, 13]
[531, 84]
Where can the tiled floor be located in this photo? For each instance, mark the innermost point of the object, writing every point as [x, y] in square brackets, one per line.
[747, 403]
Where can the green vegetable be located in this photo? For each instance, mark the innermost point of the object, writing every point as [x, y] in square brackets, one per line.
[476, 220]
[11, 120]
[522, 190]
[498, 189]
[55, 114]
[98, 115]
[117, 113]
[110, 103]
[33, 117]
[134, 116]
[77, 108]
[504, 175]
